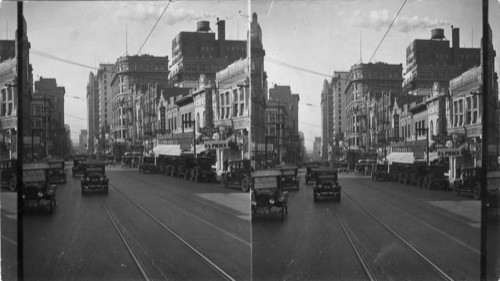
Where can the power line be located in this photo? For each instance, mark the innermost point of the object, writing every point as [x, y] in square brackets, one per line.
[393, 20]
[154, 27]
[277, 62]
[51, 57]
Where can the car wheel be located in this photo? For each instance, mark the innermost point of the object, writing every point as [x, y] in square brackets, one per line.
[83, 191]
[51, 207]
[456, 188]
[477, 191]
[282, 213]
[244, 184]
[13, 183]
[315, 198]
[223, 181]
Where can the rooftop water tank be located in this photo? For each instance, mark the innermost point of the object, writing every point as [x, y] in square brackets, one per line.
[203, 26]
[437, 34]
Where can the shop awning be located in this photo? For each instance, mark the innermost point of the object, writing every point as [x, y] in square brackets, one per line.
[401, 157]
[167, 149]
[433, 156]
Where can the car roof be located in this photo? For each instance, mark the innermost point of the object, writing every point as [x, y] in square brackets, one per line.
[266, 173]
[35, 166]
[289, 168]
[326, 169]
[94, 162]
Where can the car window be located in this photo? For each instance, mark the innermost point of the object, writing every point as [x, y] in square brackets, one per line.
[327, 182]
[265, 182]
[33, 176]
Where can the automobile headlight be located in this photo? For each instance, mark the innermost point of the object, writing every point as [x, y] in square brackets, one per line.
[40, 194]
[88, 178]
[271, 201]
[24, 196]
[254, 203]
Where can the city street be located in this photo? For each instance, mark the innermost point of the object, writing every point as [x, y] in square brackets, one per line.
[149, 226]
[8, 202]
[378, 231]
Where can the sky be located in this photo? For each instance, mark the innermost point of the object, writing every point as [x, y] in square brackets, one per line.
[324, 36]
[94, 32]
[318, 35]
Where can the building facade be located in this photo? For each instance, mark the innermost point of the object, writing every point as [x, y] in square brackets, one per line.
[433, 60]
[365, 80]
[196, 53]
[103, 77]
[338, 85]
[129, 71]
[327, 111]
[92, 113]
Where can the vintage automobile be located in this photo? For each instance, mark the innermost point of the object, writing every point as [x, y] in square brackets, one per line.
[380, 173]
[326, 184]
[8, 173]
[77, 166]
[127, 161]
[147, 164]
[470, 181]
[289, 177]
[185, 163]
[267, 195]
[202, 169]
[309, 172]
[37, 190]
[434, 178]
[94, 177]
[57, 171]
[238, 173]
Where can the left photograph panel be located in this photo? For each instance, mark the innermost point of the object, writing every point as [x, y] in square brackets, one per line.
[122, 154]
[9, 132]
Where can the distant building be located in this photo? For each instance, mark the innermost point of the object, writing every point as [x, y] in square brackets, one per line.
[103, 77]
[198, 52]
[365, 80]
[327, 111]
[433, 60]
[83, 140]
[92, 113]
[317, 147]
[338, 84]
[129, 71]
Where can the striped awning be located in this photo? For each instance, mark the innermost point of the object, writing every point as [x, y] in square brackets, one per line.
[400, 157]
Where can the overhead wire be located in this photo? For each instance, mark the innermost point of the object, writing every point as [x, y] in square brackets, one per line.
[393, 20]
[158, 20]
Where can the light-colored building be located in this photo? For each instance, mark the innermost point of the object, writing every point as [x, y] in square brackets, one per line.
[92, 113]
[103, 76]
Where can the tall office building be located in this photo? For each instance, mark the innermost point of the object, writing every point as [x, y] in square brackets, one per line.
[198, 52]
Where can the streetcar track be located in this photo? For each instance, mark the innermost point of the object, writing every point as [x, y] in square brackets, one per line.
[432, 227]
[134, 256]
[408, 244]
[189, 198]
[423, 206]
[199, 219]
[212, 264]
[365, 265]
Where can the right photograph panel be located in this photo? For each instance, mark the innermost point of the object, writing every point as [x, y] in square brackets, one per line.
[368, 142]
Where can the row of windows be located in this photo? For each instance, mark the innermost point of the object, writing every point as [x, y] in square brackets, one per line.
[142, 66]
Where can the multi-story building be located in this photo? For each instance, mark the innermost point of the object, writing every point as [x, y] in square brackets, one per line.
[83, 140]
[103, 77]
[9, 93]
[129, 71]
[327, 111]
[338, 84]
[366, 79]
[433, 60]
[196, 53]
[277, 114]
[291, 152]
[92, 113]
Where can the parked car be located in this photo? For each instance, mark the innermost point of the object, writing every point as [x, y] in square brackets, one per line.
[202, 169]
[94, 177]
[57, 171]
[326, 184]
[77, 166]
[309, 172]
[289, 177]
[37, 190]
[127, 161]
[8, 173]
[147, 164]
[470, 181]
[434, 178]
[267, 195]
[380, 173]
[238, 173]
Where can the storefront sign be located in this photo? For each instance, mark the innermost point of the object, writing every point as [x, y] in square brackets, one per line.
[220, 144]
[449, 152]
[442, 138]
[209, 130]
